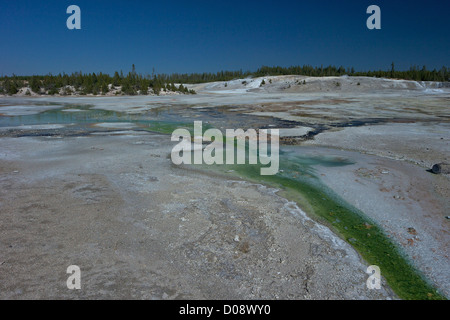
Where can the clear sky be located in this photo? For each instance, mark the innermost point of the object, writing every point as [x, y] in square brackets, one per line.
[209, 36]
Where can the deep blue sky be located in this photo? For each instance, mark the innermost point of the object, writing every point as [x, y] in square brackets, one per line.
[209, 36]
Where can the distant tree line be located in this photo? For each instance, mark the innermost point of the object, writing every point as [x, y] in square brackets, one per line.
[194, 78]
[92, 83]
[134, 83]
[414, 73]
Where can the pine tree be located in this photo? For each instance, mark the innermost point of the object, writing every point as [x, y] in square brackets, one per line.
[10, 86]
[105, 88]
[116, 81]
[144, 87]
[35, 85]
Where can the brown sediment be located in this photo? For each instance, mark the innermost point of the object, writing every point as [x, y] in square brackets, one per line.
[314, 115]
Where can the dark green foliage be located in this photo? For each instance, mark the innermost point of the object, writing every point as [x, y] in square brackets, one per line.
[134, 82]
[105, 88]
[35, 84]
[156, 89]
[414, 73]
[203, 77]
[116, 80]
[95, 89]
[157, 86]
[183, 89]
[127, 87]
[53, 91]
[144, 87]
[9, 86]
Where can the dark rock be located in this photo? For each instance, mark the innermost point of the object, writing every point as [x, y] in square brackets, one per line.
[441, 168]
